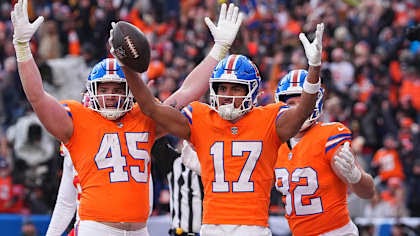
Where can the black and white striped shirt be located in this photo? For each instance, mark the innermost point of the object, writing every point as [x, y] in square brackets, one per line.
[185, 188]
[186, 200]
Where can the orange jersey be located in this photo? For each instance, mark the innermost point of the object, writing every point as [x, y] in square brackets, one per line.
[237, 161]
[315, 198]
[113, 163]
[389, 164]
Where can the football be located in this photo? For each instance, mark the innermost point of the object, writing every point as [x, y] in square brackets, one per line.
[131, 46]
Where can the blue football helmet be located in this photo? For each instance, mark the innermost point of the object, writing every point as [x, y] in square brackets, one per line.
[240, 70]
[291, 85]
[107, 71]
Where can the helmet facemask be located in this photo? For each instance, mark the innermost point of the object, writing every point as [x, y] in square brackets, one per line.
[316, 112]
[229, 111]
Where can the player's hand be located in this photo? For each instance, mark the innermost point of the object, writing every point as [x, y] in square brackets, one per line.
[190, 158]
[225, 32]
[345, 164]
[23, 29]
[227, 26]
[313, 50]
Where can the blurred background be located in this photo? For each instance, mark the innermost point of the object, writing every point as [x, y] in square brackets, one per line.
[371, 72]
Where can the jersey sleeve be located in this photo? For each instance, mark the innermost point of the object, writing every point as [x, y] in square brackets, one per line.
[71, 106]
[187, 112]
[282, 108]
[337, 136]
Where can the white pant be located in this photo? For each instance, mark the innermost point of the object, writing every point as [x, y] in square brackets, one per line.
[92, 228]
[350, 229]
[234, 230]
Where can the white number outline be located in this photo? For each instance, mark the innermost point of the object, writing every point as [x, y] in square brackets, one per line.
[243, 184]
[315, 206]
[110, 144]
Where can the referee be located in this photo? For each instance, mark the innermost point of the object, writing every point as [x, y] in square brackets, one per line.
[185, 187]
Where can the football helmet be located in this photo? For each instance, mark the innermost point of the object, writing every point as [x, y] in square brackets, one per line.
[291, 85]
[107, 71]
[240, 70]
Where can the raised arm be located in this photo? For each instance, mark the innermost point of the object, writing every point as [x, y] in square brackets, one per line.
[49, 111]
[197, 82]
[168, 118]
[289, 123]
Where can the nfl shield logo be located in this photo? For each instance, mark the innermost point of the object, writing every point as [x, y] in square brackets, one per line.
[290, 156]
[234, 130]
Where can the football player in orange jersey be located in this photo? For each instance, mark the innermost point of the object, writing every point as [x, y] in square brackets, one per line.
[235, 140]
[315, 167]
[68, 198]
[110, 140]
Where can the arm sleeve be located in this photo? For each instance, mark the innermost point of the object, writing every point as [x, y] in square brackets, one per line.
[65, 205]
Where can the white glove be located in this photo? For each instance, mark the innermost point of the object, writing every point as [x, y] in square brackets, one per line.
[345, 164]
[23, 30]
[313, 50]
[190, 158]
[225, 32]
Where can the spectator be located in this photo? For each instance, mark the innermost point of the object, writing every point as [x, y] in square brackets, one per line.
[29, 229]
[387, 161]
[377, 207]
[413, 194]
[49, 45]
[408, 138]
[342, 71]
[33, 148]
[11, 194]
[411, 85]
[394, 194]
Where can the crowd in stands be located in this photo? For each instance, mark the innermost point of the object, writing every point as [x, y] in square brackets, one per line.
[370, 70]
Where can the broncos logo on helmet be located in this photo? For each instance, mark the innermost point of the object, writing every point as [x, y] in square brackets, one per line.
[240, 70]
[108, 71]
[291, 85]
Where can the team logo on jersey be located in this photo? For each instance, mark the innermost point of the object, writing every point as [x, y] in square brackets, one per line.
[234, 130]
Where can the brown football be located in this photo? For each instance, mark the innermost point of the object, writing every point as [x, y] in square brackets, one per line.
[131, 46]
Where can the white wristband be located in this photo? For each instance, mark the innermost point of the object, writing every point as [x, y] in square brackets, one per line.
[218, 51]
[311, 88]
[316, 63]
[23, 51]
